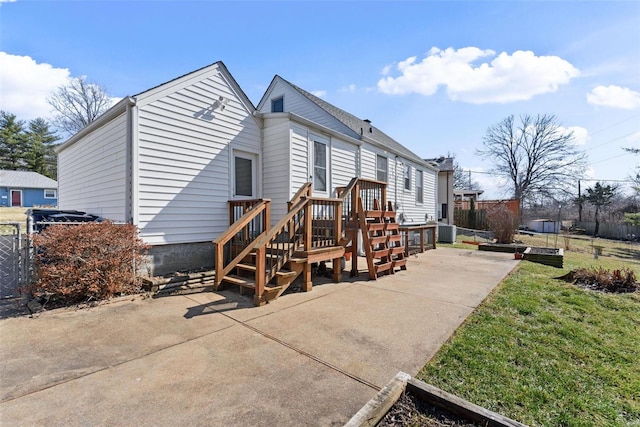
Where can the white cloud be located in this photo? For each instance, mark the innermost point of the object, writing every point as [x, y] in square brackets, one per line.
[25, 85]
[614, 96]
[507, 78]
[634, 137]
[320, 93]
[7, 1]
[580, 135]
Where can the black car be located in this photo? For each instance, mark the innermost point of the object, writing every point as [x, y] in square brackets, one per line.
[40, 218]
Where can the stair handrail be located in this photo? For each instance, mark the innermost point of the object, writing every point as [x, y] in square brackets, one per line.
[262, 276]
[303, 191]
[229, 233]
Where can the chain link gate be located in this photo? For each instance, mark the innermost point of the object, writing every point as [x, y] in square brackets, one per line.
[15, 262]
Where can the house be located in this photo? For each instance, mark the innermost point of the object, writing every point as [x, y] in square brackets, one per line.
[170, 160]
[27, 189]
[445, 188]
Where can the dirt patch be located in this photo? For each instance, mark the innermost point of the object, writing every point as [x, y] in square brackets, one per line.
[411, 411]
[612, 281]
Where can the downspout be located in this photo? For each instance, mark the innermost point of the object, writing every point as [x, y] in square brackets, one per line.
[132, 163]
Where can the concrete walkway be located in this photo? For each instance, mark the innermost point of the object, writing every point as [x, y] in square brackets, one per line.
[212, 359]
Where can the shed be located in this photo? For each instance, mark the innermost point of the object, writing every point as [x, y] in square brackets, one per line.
[545, 226]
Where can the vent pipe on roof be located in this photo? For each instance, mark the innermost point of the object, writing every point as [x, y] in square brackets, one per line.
[367, 121]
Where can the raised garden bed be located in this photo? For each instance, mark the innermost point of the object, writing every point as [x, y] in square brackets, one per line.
[502, 247]
[442, 405]
[547, 256]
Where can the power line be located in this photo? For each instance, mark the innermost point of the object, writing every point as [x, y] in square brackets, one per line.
[615, 124]
[610, 141]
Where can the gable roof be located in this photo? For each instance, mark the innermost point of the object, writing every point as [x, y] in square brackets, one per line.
[361, 128]
[128, 101]
[25, 179]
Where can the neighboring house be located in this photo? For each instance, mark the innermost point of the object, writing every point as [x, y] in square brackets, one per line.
[27, 189]
[169, 159]
[445, 188]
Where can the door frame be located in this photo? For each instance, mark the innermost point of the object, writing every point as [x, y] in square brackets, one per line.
[256, 172]
[313, 138]
[11, 191]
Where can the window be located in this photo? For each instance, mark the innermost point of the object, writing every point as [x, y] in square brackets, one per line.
[244, 177]
[319, 166]
[444, 211]
[382, 168]
[419, 191]
[50, 194]
[277, 105]
[407, 177]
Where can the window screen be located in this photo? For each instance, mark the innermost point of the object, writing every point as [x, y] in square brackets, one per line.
[244, 178]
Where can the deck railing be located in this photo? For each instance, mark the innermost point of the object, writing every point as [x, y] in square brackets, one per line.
[239, 239]
[366, 189]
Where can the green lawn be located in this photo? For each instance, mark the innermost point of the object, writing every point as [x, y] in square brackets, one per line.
[548, 353]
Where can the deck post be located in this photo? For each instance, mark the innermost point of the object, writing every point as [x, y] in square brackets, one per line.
[306, 273]
[337, 262]
[355, 196]
[259, 297]
[218, 253]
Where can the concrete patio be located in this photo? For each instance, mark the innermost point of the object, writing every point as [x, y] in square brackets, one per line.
[213, 359]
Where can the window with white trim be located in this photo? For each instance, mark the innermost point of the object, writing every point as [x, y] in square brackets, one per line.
[407, 177]
[419, 186]
[382, 168]
[50, 194]
[277, 105]
[319, 166]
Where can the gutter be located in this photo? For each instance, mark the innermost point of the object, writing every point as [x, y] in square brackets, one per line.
[110, 114]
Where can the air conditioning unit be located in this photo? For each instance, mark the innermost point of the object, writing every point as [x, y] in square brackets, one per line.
[446, 233]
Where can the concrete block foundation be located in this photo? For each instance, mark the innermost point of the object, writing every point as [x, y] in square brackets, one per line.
[163, 259]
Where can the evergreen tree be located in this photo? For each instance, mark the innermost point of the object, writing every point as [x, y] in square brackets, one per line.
[41, 156]
[600, 196]
[13, 142]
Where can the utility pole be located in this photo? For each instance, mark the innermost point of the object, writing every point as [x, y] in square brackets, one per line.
[579, 203]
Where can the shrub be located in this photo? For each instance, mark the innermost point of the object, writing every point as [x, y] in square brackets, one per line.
[84, 262]
[502, 222]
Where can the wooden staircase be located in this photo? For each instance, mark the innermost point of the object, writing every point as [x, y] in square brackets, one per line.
[265, 261]
[381, 239]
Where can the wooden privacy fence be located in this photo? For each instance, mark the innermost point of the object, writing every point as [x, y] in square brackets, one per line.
[475, 219]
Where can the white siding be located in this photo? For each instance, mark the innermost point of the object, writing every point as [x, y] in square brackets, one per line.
[276, 166]
[93, 172]
[344, 163]
[184, 159]
[299, 158]
[405, 200]
[297, 103]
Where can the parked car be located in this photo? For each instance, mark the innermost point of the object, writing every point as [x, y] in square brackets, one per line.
[40, 218]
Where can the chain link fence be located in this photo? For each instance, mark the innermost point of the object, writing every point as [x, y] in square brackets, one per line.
[15, 259]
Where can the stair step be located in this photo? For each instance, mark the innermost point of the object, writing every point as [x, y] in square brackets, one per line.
[392, 226]
[373, 214]
[389, 214]
[377, 254]
[383, 266]
[375, 226]
[377, 240]
[399, 262]
[244, 282]
[395, 238]
[247, 267]
[397, 250]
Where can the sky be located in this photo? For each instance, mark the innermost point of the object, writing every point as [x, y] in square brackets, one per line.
[432, 75]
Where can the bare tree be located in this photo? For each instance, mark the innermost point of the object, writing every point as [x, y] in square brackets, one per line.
[78, 103]
[462, 179]
[537, 155]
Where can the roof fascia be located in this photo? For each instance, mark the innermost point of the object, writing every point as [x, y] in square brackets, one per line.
[391, 150]
[309, 123]
[109, 115]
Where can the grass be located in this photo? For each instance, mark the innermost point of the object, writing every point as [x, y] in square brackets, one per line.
[548, 353]
[12, 215]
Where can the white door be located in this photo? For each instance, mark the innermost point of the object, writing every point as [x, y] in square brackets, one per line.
[244, 173]
[319, 165]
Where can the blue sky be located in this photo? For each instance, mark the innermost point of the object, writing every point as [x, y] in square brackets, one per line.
[433, 75]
